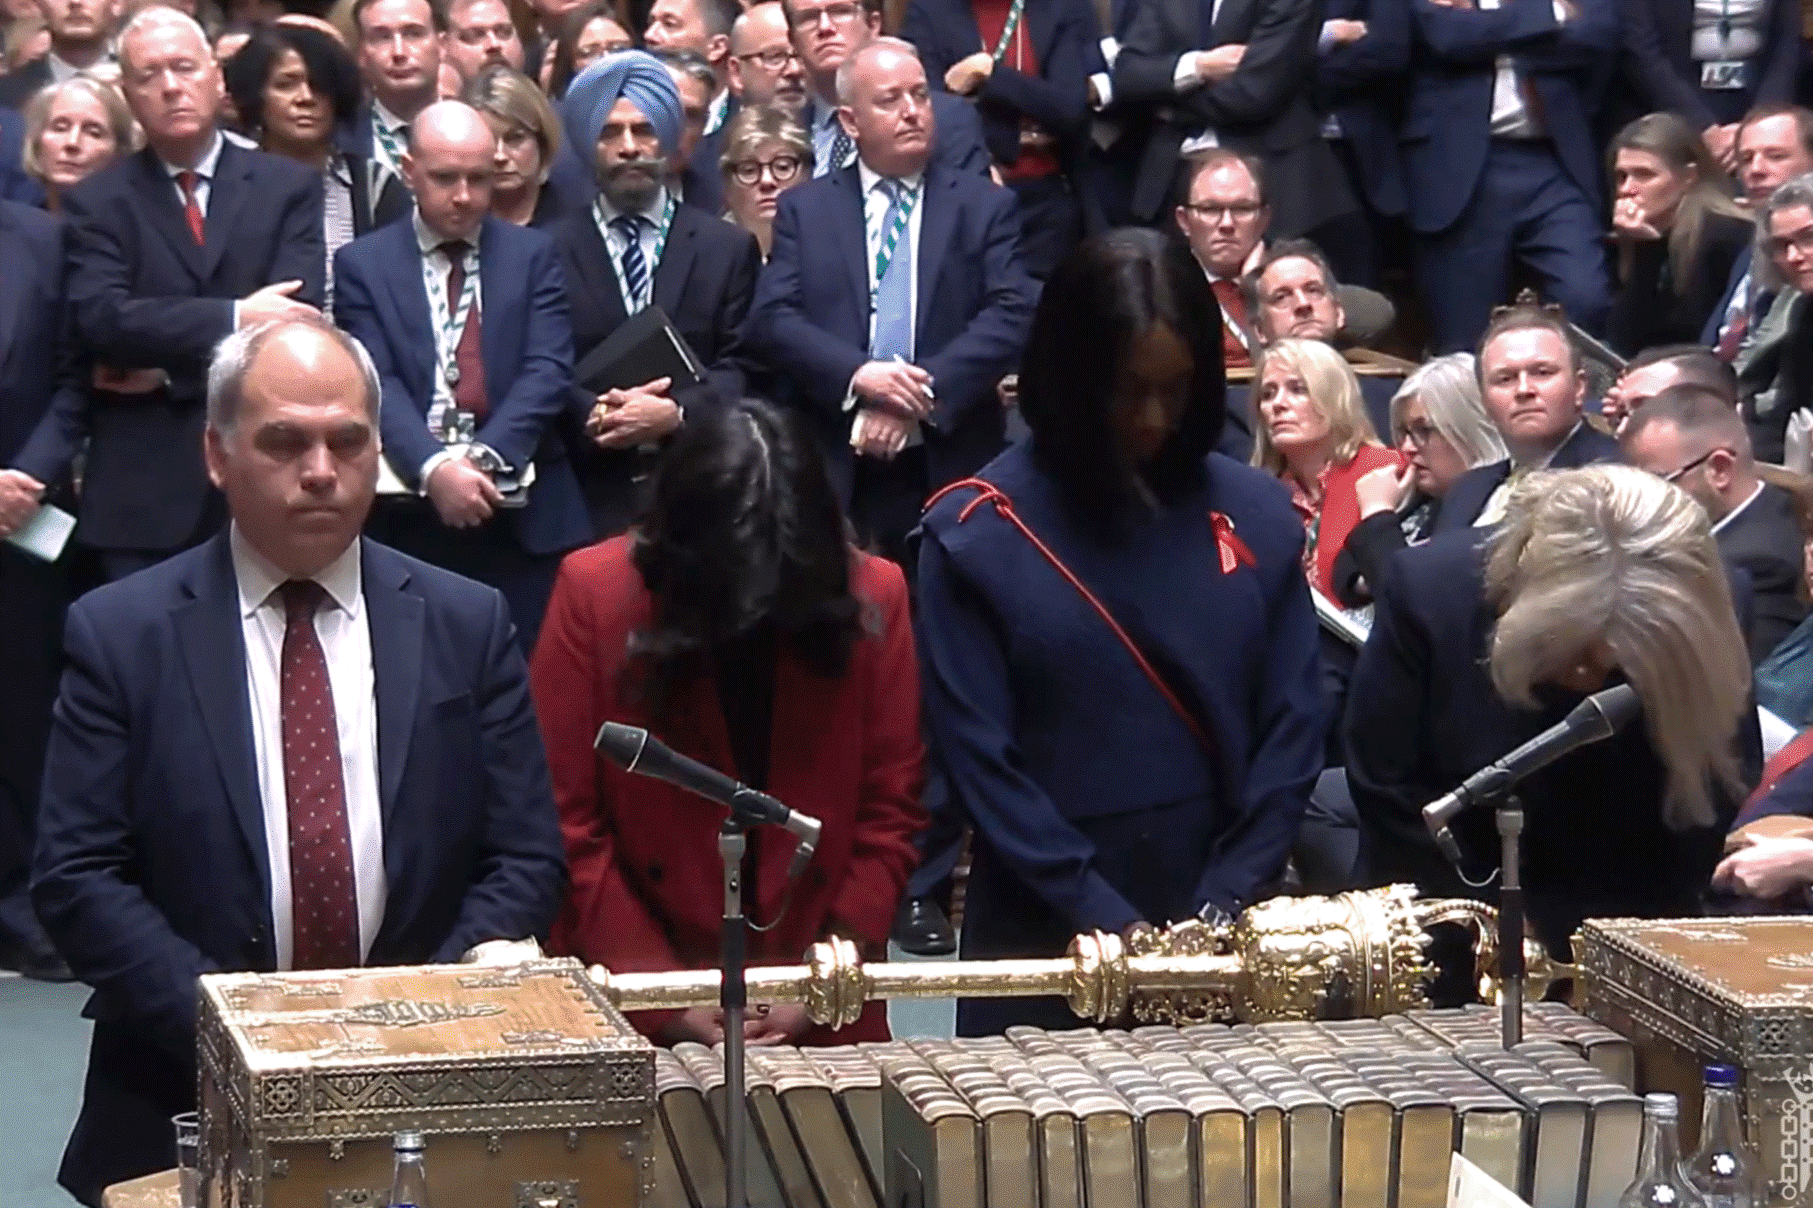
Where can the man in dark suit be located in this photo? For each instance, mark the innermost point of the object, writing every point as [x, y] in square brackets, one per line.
[1233, 74]
[400, 57]
[1362, 54]
[466, 318]
[171, 249]
[893, 301]
[1774, 145]
[1026, 68]
[188, 828]
[698, 183]
[702, 27]
[1692, 437]
[81, 34]
[764, 68]
[632, 249]
[1534, 391]
[34, 367]
[1674, 62]
[825, 33]
[1500, 160]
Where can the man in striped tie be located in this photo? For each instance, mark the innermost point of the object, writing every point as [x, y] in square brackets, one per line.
[894, 299]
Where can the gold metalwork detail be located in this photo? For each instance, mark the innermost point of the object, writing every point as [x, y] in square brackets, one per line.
[385, 1013]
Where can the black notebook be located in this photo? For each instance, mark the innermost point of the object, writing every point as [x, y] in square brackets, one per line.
[643, 349]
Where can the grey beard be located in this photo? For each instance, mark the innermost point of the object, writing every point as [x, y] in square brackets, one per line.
[630, 193]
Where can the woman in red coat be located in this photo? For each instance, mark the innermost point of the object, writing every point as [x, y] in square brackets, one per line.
[738, 625]
[1313, 433]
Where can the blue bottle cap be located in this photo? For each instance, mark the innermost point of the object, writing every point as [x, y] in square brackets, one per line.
[1721, 1075]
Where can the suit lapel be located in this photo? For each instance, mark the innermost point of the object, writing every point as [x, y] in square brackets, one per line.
[851, 232]
[396, 660]
[410, 297]
[1043, 21]
[589, 261]
[158, 196]
[676, 260]
[936, 227]
[1230, 23]
[213, 647]
[15, 283]
[226, 194]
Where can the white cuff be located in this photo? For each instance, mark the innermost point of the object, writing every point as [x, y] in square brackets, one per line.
[1325, 41]
[1104, 89]
[1183, 76]
[434, 462]
[1111, 50]
[1560, 12]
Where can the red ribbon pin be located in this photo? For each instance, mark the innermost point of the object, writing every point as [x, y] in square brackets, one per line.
[1228, 544]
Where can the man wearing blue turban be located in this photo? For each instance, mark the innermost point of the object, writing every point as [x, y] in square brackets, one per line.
[638, 245]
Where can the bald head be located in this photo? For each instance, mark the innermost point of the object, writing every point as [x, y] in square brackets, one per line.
[763, 68]
[450, 166]
[885, 107]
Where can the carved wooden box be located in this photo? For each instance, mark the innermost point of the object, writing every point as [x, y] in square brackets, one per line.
[1737, 991]
[531, 1089]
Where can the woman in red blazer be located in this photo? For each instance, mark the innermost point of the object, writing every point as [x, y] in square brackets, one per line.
[1313, 433]
[738, 625]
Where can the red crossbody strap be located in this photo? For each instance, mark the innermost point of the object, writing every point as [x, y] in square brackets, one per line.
[988, 492]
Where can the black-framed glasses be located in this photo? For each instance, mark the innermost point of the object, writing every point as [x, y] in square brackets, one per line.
[840, 13]
[1419, 433]
[772, 59]
[1801, 241]
[1695, 464]
[1214, 213]
[782, 167]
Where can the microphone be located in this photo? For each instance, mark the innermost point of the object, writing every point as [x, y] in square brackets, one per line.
[634, 749]
[1597, 717]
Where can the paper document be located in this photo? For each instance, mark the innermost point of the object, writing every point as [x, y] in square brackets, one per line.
[45, 534]
[1471, 1187]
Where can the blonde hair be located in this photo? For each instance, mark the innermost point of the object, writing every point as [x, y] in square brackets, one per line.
[1448, 388]
[1332, 387]
[37, 115]
[1611, 556]
[513, 99]
[754, 127]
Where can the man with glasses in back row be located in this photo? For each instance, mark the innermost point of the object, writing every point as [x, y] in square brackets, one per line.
[825, 34]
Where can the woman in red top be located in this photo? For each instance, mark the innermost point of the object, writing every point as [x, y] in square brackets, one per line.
[1313, 433]
[738, 625]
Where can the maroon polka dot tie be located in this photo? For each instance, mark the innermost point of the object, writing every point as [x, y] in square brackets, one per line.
[324, 901]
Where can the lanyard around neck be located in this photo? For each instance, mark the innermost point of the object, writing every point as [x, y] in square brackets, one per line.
[640, 302]
[884, 255]
[1008, 30]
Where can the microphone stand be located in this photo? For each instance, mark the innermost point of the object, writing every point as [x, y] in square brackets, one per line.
[733, 997]
[1510, 922]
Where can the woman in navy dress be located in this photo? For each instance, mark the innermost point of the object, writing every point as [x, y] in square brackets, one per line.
[1123, 692]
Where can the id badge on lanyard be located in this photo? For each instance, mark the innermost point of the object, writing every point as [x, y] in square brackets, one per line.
[1724, 75]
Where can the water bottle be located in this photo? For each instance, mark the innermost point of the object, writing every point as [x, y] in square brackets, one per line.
[409, 1185]
[1724, 1170]
[1660, 1182]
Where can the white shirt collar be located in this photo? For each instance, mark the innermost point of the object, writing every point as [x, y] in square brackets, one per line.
[342, 578]
[204, 167]
[1542, 463]
[429, 241]
[870, 178]
[381, 114]
[1728, 517]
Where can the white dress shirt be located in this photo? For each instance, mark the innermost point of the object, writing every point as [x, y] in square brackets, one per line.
[1734, 513]
[603, 212]
[874, 219]
[1511, 118]
[345, 634]
[1184, 78]
[204, 170]
[436, 265]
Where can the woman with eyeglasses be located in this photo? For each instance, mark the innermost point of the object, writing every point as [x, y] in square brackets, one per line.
[528, 138]
[766, 152]
[1441, 428]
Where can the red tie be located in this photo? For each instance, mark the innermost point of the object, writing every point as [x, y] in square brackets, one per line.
[1783, 762]
[198, 224]
[324, 900]
[469, 357]
[1233, 349]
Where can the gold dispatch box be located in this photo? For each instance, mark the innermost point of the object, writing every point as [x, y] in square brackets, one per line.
[531, 1089]
[1736, 991]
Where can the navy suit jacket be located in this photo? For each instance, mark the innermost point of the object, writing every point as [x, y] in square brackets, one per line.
[703, 283]
[1422, 715]
[152, 865]
[145, 295]
[1467, 497]
[810, 321]
[1447, 118]
[1065, 37]
[36, 353]
[1659, 62]
[527, 342]
[1263, 109]
[1362, 85]
[394, 200]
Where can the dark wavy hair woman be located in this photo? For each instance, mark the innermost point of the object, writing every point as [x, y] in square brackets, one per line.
[738, 624]
[1117, 643]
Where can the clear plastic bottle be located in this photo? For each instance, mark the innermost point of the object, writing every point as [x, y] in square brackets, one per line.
[409, 1185]
[1660, 1181]
[1724, 1169]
